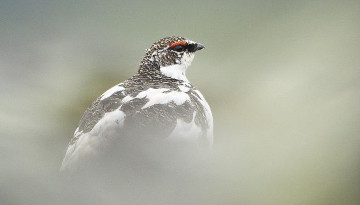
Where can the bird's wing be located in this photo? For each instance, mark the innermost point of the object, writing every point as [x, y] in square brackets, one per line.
[130, 112]
[102, 115]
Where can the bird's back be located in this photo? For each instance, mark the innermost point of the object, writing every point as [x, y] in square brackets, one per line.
[136, 114]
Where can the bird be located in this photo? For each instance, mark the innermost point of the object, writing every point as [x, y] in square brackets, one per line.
[155, 109]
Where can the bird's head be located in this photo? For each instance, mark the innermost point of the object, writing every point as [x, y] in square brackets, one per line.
[172, 55]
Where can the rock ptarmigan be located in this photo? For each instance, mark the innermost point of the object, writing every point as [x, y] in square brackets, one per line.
[157, 105]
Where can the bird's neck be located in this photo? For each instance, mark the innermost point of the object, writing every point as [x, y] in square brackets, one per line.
[152, 69]
[149, 67]
[176, 71]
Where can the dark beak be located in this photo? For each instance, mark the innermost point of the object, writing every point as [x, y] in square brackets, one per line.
[195, 47]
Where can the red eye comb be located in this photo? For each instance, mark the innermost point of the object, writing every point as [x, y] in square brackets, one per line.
[178, 43]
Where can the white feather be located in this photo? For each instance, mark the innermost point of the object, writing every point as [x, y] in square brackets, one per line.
[93, 142]
[208, 115]
[185, 87]
[160, 96]
[188, 132]
[111, 91]
[177, 71]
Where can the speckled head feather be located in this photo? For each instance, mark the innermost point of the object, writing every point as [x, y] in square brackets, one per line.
[163, 43]
[169, 51]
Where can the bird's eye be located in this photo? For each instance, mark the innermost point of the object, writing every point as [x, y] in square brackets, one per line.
[178, 46]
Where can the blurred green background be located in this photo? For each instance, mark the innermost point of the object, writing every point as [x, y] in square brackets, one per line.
[282, 79]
